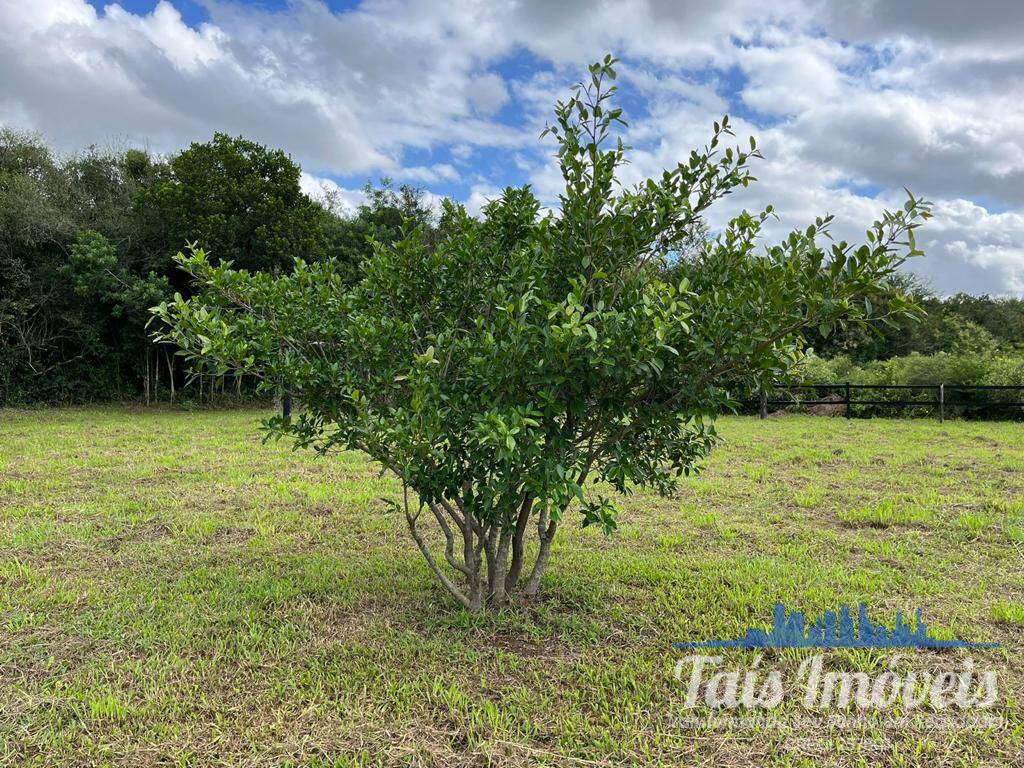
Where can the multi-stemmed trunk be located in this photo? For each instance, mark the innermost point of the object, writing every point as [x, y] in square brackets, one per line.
[493, 558]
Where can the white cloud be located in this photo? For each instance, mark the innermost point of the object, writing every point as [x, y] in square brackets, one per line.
[851, 100]
[427, 174]
[487, 93]
[989, 25]
[189, 50]
[479, 196]
[81, 78]
[789, 79]
[983, 251]
[333, 196]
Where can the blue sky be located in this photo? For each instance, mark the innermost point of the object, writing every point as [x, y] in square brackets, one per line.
[850, 101]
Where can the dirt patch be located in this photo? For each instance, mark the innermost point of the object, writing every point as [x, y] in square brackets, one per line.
[147, 532]
[230, 534]
[529, 648]
[836, 406]
[318, 510]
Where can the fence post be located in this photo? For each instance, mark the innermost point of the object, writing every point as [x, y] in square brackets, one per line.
[286, 406]
[849, 415]
[147, 375]
[942, 403]
[764, 403]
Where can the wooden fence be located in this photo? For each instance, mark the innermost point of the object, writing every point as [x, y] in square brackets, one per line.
[945, 397]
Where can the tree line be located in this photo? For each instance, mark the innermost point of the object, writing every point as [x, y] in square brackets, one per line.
[956, 340]
[87, 246]
[87, 243]
[961, 324]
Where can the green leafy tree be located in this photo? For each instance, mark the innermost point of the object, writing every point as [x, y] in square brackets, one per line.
[383, 217]
[510, 374]
[388, 211]
[240, 201]
[87, 244]
[1003, 318]
[50, 345]
[96, 274]
[959, 324]
[68, 227]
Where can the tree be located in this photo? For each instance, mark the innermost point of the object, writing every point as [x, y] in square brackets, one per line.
[383, 217]
[509, 374]
[957, 324]
[68, 228]
[120, 298]
[388, 212]
[1003, 318]
[49, 342]
[87, 244]
[239, 200]
[889, 333]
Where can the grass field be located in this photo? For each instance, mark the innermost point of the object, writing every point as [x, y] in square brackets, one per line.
[175, 592]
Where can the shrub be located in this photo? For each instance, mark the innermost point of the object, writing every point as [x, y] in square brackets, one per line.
[500, 371]
[1005, 371]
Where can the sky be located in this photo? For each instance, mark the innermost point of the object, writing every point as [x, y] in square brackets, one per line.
[851, 101]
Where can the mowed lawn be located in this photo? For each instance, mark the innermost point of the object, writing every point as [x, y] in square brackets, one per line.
[175, 592]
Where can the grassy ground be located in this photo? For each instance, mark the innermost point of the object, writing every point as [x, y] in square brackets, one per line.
[172, 591]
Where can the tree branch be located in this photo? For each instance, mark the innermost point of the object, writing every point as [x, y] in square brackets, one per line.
[425, 551]
[449, 546]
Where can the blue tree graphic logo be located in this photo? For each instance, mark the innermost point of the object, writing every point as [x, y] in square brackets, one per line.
[834, 630]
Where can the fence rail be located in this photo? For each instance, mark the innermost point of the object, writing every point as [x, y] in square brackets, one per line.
[940, 402]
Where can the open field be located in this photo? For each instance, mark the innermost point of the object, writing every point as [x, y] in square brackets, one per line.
[172, 591]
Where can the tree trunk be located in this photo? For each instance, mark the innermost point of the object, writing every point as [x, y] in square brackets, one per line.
[170, 373]
[518, 547]
[496, 585]
[546, 533]
[493, 555]
[491, 552]
[470, 567]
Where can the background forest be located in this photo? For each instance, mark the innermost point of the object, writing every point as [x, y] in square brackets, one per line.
[87, 240]
[86, 247]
